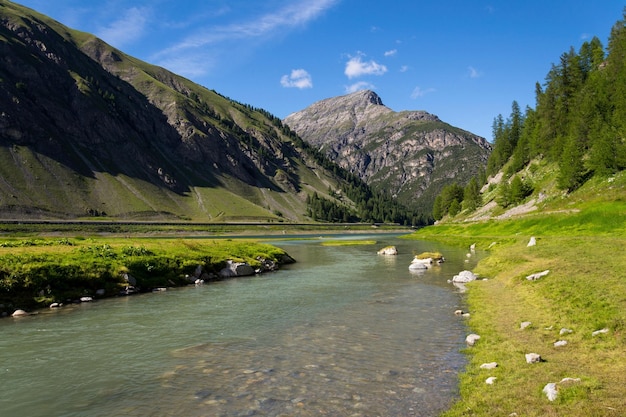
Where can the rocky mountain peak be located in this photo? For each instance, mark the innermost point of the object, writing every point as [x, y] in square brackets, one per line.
[369, 97]
[411, 154]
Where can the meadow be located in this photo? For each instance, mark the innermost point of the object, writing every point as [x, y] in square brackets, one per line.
[581, 241]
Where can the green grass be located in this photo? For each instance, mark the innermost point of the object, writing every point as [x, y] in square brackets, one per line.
[35, 272]
[348, 242]
[581, 241]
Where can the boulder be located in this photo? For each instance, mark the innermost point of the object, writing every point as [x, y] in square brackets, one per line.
[388, 250]
[551, 389]
[471, 339]
[130, 279]
[524, 324]
[19, 313]
[197, 272]
[227, 273]
[491, 380]
[236, 269]
[533, 358]
[464, 277]
[560, 343]
[266, 264]
[243, 269]
[421, 263]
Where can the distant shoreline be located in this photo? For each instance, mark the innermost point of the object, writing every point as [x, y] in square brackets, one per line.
[21, 227]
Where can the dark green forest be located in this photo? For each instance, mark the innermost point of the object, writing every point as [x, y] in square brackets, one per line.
[578, 123]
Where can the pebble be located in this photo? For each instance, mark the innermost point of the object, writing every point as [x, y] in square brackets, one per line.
[490, 365]
[602, 331]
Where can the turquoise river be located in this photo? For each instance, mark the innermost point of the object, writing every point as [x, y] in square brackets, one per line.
[342, 332]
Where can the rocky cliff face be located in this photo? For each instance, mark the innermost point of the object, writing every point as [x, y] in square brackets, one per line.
[412, 154]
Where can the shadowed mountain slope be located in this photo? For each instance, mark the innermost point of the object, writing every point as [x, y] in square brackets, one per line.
[86, 130]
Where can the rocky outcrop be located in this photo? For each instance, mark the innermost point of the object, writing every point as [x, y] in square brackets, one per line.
[412, 154]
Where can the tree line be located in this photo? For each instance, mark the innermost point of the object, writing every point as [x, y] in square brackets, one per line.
[578, 122]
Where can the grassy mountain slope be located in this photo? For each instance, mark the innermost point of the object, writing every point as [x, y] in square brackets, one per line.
[86, 130]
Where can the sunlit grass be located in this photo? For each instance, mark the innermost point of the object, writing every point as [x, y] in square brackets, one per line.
[348, 242]
[585, 291]
[37, 272]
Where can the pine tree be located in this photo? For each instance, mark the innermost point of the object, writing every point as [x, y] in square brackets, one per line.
[471, 196]
[571, 168]
[437, 209]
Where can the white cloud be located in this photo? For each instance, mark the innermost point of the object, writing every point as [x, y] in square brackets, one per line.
[474, 73]
[391, 53]
[291, 16]
[126, 29]
[298, 78]
[357, 68]
[418, 92]
[190, 65]
[404, 68]
[361, 85]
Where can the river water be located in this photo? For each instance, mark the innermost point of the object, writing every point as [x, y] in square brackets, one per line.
[343, 332]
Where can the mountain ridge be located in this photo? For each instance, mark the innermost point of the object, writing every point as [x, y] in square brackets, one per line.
[86, 130]
[412, 154]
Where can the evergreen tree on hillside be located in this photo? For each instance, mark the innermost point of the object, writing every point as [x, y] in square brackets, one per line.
[578, 122]
[506, 135]
[615, 83]
[448, 201]
[579, 119]
[471, 195]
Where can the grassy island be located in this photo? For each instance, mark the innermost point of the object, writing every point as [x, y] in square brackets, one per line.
[36, 272]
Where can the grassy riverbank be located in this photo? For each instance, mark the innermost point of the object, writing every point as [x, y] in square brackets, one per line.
[35, 272]
[583, 247]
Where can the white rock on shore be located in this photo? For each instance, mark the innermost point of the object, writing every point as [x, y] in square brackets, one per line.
[464, 277]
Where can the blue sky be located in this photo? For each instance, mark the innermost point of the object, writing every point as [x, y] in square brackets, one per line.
[463, 60]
